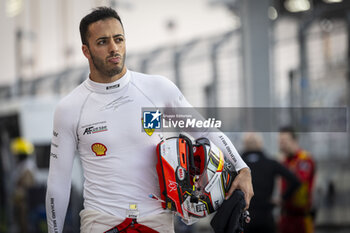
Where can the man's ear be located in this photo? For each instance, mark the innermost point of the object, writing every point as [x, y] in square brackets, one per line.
[86, 51]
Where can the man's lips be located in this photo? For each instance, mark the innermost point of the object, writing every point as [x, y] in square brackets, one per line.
[114, 59]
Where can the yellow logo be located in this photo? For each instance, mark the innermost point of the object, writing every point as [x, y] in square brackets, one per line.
[149, 132]
[99, 149]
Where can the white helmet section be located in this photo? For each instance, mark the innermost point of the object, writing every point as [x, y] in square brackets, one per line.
[168, 150]
[192, 176]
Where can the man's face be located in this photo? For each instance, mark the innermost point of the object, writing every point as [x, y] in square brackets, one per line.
[287, 143]
[106, 47]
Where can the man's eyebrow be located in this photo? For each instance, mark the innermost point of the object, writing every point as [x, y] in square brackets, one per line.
[106, 37]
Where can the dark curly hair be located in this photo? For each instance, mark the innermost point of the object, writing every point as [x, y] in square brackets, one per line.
[97, 14]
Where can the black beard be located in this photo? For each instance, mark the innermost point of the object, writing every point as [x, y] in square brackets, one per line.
[101, 66]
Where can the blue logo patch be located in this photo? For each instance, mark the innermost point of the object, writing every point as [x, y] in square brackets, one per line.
[151, 119]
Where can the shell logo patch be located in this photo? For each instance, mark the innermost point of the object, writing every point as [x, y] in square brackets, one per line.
[99, 149]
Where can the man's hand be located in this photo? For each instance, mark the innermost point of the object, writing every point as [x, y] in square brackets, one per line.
[243, 181]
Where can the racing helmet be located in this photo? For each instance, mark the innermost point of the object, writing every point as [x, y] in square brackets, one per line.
[193, 176]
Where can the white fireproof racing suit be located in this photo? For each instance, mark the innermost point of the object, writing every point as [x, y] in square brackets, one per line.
[103, 123]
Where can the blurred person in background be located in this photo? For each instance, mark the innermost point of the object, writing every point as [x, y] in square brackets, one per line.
[24, 179]
[264, 173]
[101, 120]
[297, 213]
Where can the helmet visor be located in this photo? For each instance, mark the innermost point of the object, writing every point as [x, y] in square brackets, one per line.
[212, 172]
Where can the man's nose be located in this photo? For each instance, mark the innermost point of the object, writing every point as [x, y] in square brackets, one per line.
[113, 47]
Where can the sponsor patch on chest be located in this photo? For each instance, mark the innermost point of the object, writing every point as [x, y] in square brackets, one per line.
[93, 128]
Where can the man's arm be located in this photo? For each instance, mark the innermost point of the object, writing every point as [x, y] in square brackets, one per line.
[292, 180]
[243, 180]
[61, 163]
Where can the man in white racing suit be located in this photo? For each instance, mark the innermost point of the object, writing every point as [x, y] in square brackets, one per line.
[101, 119]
